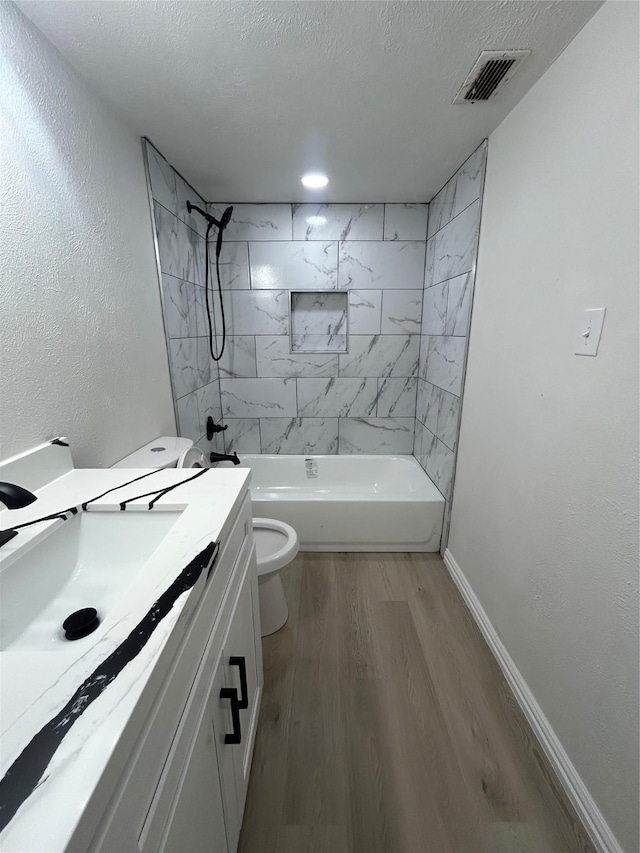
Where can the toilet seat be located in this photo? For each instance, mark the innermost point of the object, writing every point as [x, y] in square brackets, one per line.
[276, 544]
[193, 457]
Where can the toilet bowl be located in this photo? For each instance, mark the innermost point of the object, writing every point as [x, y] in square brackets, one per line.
[276, 546]
[276, 542]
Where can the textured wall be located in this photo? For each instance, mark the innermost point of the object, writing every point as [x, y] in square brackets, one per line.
[369, 256]
[454, 218]
[181, 256]
[545, 511]
[81, 351]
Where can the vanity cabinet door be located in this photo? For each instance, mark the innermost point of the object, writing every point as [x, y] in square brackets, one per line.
[187, 812]
[222, 719]
[242, 675]
[240, 679]
[196, 823]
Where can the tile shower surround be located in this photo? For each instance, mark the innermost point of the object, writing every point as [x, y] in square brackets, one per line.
[396, 390]
[360, 401]
[454, 219]
[181, 256]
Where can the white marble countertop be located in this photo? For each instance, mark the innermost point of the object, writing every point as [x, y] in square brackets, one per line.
[36, 685]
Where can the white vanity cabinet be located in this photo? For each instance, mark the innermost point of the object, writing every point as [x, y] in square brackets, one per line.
[185, 787]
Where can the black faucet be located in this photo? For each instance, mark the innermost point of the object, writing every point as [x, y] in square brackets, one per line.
[13, 497]
[222, 457]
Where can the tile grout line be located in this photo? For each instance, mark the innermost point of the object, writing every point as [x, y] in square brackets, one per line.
[442, 227]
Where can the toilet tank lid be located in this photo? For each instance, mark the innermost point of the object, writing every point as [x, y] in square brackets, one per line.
[162, 452]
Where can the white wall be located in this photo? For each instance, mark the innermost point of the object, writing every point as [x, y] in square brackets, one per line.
[82, 349]
[544, 523]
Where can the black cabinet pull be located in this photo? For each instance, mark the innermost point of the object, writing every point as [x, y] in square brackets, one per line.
[241, 663]
[232, 694]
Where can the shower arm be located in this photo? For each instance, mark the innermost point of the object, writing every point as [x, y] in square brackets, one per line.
[220, 224]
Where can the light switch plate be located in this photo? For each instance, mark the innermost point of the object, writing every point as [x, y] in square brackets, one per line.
[591, 325]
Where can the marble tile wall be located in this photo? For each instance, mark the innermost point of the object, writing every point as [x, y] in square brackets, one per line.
[454, 219]
[406, 273]
[356, 275]
[181, 254]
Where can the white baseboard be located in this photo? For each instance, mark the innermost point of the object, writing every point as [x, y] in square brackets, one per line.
[582, 801]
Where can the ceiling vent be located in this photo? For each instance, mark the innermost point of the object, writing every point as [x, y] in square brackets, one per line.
[492, 70]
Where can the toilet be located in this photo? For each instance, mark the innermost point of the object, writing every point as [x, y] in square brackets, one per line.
[163, 452]
[276, 546]
[276, 542]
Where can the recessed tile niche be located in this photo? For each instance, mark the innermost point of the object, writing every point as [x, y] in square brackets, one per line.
[318, 321]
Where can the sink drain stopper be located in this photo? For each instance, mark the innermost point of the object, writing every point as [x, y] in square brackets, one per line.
[81, 623]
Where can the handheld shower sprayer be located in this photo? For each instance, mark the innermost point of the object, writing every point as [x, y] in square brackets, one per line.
[220, 224]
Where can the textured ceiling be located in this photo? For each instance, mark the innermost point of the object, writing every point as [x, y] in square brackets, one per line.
[243, 97]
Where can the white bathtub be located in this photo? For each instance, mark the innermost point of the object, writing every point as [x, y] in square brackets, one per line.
[349, 503]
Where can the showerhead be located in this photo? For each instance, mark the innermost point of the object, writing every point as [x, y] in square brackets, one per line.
[224, 219]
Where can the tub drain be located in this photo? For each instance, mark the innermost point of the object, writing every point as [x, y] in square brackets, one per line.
[81, 623]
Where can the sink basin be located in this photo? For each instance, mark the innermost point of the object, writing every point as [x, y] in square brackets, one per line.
[87, 561]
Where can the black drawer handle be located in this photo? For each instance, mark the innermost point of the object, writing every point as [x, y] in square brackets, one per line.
[241, 663]
[232, 694]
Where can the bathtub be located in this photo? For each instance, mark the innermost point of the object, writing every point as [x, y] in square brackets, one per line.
[349, 503]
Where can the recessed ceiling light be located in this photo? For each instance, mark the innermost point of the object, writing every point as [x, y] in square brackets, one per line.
[314, 181]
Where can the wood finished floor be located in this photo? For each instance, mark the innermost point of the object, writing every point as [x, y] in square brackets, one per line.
[386, 724]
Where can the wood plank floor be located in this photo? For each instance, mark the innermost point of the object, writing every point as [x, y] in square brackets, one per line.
[387, 726]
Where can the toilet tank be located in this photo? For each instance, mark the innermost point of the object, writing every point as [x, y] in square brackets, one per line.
[162, 452]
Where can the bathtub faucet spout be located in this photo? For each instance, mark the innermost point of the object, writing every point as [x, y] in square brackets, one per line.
[223, 457]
